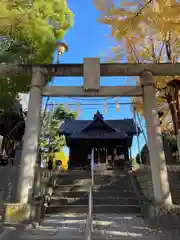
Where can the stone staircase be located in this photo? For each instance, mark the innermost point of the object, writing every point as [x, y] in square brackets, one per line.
[112, 193]
[116, 212]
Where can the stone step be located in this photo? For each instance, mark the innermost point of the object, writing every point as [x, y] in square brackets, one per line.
[96, 175]
[97, 180]
[99, 232]
[70, 235]
[59, 217]
[56, 201]
[109, 226]
[60, 234]
[74, 223]
[97, 236]
[96, 193]
[64, 234]
[116, 209]
[105, 187]
[67, 209]
[96, 172]
[65, 188]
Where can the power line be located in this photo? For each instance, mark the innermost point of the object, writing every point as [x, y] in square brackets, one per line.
[90, 98]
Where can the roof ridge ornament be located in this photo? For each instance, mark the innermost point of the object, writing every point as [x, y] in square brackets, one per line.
[98, 116]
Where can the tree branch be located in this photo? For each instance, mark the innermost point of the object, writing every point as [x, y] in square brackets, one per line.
[138, 13]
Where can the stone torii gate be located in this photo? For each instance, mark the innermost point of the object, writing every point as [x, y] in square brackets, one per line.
[92, 70]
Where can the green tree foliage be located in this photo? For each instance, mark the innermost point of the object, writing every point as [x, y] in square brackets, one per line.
[146, 31]
[29, 30]
[50, 141]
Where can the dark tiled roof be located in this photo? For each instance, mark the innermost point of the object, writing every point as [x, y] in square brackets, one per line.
[99, 123]
[99, 134]
[70, 126]
[124, 128]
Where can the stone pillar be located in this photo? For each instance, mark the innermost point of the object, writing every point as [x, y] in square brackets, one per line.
[99, 157]
[160, 181]
[106, 157]
[31, 139]
[114, 157]
[109, 158]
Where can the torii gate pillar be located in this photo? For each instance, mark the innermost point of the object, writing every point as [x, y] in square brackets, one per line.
[160, 181]
[31, 139]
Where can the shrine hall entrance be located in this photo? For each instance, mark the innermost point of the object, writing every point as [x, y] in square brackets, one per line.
[101, 157]
[110, 140]
[105, 158]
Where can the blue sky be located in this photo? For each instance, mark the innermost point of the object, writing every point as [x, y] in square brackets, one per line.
[88, 38]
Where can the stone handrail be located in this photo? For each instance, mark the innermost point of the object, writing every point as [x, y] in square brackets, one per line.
[46, 174]
[45, 181]
[13, 211]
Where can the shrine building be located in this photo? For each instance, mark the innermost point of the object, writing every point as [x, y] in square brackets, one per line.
[111, 140]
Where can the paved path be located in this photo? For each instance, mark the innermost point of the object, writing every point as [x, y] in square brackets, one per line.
[69, 227]
[5, 232]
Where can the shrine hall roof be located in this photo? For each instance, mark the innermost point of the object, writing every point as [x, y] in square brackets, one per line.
[116, 129]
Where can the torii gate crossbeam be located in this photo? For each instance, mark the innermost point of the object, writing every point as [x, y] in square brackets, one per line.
[106, 69]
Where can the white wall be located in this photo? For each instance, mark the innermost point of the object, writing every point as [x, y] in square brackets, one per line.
[24, 100]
